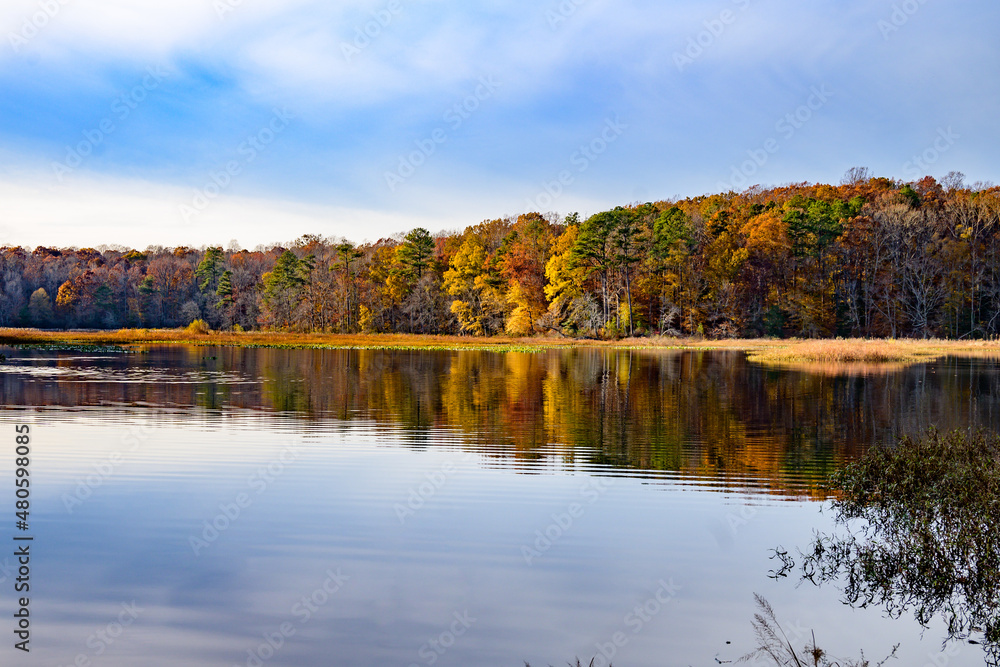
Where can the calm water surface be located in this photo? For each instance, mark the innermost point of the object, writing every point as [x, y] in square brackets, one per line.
[321, 507]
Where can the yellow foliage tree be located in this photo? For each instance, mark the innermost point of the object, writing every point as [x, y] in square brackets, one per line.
[565, 280]
[767, 236]
[67, 296]
[477, 304]
[521, 319]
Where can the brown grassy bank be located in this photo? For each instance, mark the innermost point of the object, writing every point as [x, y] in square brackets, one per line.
[867, 355]
[262, 339]
[281, 339]
[838, 353]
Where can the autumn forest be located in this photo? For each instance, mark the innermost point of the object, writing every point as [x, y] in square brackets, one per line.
[869, 257]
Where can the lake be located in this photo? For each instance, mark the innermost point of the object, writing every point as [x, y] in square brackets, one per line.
[223, 506]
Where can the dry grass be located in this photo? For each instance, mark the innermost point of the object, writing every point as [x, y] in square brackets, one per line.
[828, 356]
[775, 647]
[12, 336]
[857, 354]
[266, 339]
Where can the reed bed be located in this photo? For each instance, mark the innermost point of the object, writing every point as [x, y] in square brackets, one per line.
[820, 355]
[858, 353]
[270, 339]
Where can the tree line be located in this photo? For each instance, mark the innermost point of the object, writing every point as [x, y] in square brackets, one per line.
[868, 257]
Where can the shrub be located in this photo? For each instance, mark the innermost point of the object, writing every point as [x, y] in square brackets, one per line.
[197, 327]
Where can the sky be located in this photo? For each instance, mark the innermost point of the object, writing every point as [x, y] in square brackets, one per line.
[193, 122]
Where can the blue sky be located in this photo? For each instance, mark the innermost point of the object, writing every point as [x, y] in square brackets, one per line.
[204, 121]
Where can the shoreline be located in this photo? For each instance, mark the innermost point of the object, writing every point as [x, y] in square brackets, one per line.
[782, 352]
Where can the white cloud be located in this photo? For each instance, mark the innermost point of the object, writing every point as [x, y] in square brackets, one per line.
[297, 46]
[359, 114]
[92, 211]
[64, 28]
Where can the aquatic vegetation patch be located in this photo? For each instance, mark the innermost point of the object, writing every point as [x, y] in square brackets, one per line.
[77, 348]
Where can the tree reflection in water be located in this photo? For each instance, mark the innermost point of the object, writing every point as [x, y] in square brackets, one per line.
[918, 529]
